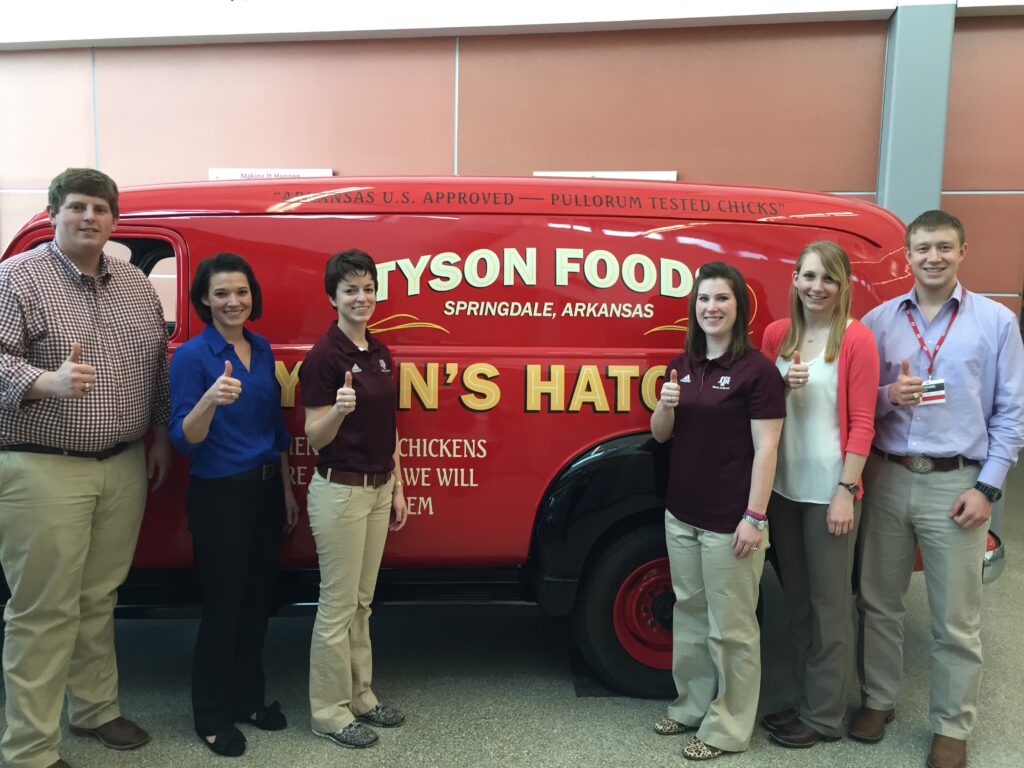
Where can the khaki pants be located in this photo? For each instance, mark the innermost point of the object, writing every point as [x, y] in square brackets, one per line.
[816, 569]
[68, 528]
[716, 640]
[350, 526]
[902, 508]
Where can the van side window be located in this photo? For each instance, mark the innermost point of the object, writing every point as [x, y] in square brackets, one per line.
[156, 259]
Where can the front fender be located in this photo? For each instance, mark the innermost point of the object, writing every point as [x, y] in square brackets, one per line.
[616, 485]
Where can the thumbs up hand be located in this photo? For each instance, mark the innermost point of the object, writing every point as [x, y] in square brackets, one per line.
[907, 388]
[74, 379]
[798, 373]
[670, 390]
[225, 390]
[346, 399]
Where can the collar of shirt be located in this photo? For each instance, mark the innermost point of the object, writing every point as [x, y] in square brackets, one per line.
[74, 272]
[909, 299]
[216, 342]
[722, 361]
[347, 345]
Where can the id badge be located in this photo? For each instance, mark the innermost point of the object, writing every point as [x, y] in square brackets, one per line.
[934, 392]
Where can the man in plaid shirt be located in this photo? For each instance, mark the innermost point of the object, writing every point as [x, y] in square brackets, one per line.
[83, 378]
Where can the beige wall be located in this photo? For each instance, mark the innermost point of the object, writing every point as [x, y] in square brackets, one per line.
[785, 105]
[985, 152]
[782, 105]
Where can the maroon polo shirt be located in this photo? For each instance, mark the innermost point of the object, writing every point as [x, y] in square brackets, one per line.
[712, 448]
[366, 439]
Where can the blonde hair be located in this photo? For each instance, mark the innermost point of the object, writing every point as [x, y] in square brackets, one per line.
[837, 266]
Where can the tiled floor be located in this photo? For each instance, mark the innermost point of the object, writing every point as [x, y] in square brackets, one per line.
[492, 688]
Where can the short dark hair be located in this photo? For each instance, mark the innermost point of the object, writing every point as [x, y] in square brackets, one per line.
[223, 262]
[82, 181]
[345, 263]
[696, 339]
[932, 220]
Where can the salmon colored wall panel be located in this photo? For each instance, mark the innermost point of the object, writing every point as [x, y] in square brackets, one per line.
[984, 149]
[1013, 304]
[15, 209]
[789, 104]
[359, 107]
[47, 113]
[995, 240]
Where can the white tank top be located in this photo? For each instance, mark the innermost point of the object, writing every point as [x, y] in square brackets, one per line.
[810, 459]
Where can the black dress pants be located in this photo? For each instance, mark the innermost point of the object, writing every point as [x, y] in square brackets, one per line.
[236, 528]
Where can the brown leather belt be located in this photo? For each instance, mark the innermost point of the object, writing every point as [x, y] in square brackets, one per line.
[925, 464]
[361, 479]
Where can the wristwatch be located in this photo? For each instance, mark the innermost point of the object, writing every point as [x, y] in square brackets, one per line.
[759, 524]
[990, 492]
[851, 487]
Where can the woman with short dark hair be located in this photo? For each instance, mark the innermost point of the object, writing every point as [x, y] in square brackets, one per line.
[226, 416]
[355, 497]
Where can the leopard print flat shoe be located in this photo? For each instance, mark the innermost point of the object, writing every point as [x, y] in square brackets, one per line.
[698, 750]
[666, 726]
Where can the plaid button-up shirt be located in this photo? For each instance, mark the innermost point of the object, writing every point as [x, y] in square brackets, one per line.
[46, 304]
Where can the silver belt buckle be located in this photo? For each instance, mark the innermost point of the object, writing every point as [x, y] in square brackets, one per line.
[922, 465]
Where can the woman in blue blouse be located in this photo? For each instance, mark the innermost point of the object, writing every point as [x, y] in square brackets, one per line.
[226, 415]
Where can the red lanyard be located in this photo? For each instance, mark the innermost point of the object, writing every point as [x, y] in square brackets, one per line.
[934, 353]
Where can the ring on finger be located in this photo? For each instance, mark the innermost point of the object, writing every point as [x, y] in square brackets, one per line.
[87, 386]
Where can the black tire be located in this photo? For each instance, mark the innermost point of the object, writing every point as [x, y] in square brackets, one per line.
[593, 623]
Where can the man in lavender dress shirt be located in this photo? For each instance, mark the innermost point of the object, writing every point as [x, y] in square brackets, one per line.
[949, 424]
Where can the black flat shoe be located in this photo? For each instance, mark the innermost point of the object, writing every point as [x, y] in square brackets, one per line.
[228, 744]
[268, 718]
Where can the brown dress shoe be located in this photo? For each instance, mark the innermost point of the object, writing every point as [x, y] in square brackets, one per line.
[947, 752]
[119, 733]
[868, 725]
[798, 734]
[775, 720]
[60, 764]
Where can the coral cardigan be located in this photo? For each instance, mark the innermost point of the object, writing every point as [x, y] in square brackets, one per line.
[858, 382]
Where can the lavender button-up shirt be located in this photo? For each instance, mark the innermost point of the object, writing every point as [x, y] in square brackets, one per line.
[982, 363]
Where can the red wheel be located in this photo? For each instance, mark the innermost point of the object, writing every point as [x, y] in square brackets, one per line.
[642, 614]
[623, 614]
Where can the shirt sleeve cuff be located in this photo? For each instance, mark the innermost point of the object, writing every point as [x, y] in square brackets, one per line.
[882, 404]
[19, 381]
[993, 472]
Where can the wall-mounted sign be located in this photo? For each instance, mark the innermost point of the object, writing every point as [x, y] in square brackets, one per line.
[640, 175]
[220, 174]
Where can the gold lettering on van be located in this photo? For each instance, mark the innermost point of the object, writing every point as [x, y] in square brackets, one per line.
[623, 375]
[589, 390]
[426, 387]
[446, 271]
[288, 381]
[648, 385]
[483, 394]
[537, 387]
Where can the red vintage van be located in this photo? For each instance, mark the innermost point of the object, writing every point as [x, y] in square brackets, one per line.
[531, 321]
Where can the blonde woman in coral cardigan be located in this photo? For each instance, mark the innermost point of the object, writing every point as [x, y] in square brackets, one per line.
[830, 364]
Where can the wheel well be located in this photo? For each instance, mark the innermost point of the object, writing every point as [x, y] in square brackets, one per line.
[610, 488]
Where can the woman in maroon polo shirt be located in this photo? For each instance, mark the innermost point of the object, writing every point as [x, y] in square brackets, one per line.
[830, 365]
[722, 404]
[355, 497]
